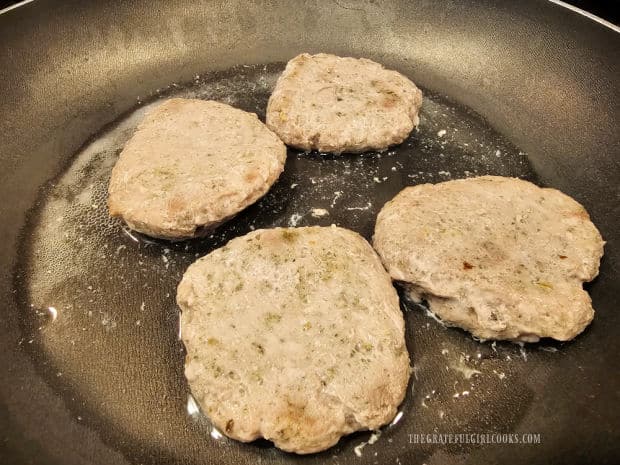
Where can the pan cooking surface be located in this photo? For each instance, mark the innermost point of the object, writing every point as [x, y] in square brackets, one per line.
[98, 301]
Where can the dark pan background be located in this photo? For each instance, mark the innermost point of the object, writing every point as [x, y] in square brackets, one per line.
[531, 79]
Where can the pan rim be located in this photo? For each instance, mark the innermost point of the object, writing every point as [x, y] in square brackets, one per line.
[582, 12]
[568, 6]
[14, 6]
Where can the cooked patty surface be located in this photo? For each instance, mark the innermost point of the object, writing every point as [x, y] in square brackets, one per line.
[499, 257]
[333, 104]
[294, 335]
[190, 165]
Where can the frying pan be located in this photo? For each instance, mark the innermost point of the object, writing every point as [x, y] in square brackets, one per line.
[92, 368]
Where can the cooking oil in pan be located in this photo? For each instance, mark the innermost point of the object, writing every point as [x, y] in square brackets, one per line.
[98, 299]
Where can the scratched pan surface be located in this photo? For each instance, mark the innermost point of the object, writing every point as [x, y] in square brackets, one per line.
[93, 368]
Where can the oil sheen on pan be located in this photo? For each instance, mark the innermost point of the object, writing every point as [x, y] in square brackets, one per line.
[95, 293]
